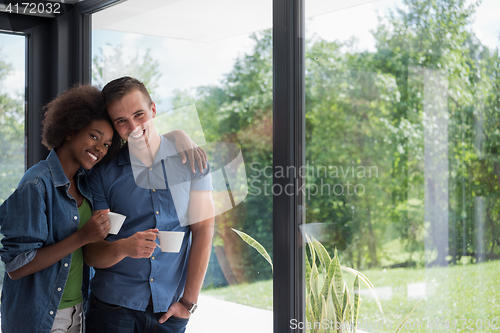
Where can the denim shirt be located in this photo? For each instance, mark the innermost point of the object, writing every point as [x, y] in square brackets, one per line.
[150, 197]
[39, 213]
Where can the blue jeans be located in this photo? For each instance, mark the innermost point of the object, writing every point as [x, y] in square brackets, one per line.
[107, 318]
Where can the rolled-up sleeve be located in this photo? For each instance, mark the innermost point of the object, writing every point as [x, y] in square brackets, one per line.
[20, 260]
[203, 181]
[23, 224]
[97, 189]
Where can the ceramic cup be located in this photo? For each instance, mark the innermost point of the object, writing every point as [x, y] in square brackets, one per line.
[171, 241]
[116, 221]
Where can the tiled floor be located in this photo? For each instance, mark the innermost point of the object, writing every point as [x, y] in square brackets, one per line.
[218, 316]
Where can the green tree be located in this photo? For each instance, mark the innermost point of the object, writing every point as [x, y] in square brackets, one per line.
[239, 110]
[345, 107]
[107, 66]
[435, 36]
[369, 108]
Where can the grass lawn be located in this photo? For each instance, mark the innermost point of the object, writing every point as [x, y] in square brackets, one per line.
[258, 295]
[459, 298]
[453, 294]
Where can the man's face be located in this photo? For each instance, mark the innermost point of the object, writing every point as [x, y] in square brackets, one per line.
[132, 117]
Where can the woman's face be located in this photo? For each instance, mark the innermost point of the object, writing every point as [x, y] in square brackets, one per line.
[89, 145]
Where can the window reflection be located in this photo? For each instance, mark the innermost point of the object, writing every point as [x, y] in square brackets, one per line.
[413, 94]
[12, 138]
[12, 159]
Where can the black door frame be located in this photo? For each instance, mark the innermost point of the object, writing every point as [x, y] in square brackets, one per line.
[54, 54]
[288, 151]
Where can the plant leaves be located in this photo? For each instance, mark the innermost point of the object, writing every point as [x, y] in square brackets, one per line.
[309, 312]
[308, 272]
[316, 298]
[330, 308]
[323, 255]
[408, 316]
[366, 282]
[336, 296]
[345, 306]
[339, 281]
[324, 315]
[356, 304]
[256, 245]
[328, 282]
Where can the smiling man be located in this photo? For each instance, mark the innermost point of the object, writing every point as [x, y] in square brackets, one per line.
[138, 288]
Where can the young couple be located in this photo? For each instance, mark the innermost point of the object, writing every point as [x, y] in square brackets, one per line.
[55, 223]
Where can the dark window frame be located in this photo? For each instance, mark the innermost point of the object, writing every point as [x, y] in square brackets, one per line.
[54, 54]
[288, 150]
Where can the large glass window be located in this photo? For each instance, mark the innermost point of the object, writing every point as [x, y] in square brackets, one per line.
[12, 138]
[208, 66]
[402, 119]
[12, 115]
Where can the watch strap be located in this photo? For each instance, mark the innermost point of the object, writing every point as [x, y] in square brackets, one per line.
[190, 306]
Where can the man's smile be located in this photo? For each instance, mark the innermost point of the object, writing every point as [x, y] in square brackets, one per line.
[137, 135]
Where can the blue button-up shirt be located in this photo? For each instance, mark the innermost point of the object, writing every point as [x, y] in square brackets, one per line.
[155, 196]
[39, 213]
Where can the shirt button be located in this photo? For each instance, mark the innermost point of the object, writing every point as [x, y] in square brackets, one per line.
[154, 190]
[66, 265]
[59, 289]
[51, 313]
[76, 217]
[157, 212]
[150, 168]
[153, 258]
[151, 280]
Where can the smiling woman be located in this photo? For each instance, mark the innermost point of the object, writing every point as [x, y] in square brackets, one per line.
[70, 113]
[48, 218]
[87, 146]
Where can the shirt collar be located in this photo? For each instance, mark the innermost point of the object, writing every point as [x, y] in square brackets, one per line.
[166, 149]
[57, 171]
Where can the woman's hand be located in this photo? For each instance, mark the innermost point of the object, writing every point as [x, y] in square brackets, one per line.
[186, 146]
[97, 227]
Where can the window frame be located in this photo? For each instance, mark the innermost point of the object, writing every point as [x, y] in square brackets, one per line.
[288, 151]
[54, 52]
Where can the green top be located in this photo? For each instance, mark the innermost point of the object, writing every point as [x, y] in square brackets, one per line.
[72, 294]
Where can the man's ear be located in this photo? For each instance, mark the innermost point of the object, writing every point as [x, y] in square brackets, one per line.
[153, 108]
[68, 138]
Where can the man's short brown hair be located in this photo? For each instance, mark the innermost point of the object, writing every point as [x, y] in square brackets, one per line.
[120, 87]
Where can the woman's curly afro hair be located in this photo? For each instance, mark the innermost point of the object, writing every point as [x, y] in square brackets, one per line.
[72, 111]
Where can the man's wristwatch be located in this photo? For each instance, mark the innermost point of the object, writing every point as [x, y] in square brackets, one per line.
[191, 307]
